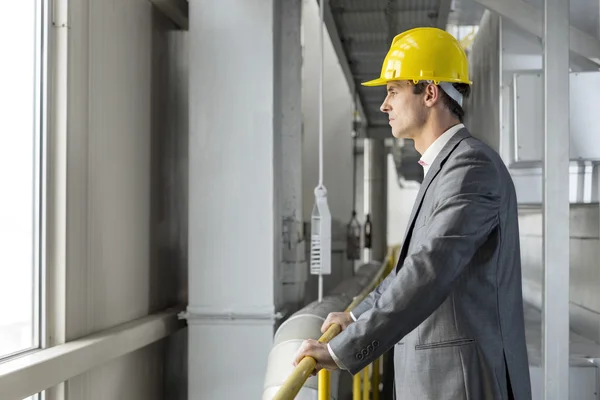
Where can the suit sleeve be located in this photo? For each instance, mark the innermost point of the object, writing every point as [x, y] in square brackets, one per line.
[465, 214]
[370, 300]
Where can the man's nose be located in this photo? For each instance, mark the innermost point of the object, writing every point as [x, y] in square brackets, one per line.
[384, 106]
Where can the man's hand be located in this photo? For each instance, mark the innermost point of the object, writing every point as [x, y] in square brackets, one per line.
[343, 319]
[319, 352]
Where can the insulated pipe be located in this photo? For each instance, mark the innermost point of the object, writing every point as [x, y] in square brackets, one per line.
[306, 324]
[375, 191]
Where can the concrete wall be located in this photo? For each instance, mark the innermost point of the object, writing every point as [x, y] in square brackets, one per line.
[400, 203]
[127, 189]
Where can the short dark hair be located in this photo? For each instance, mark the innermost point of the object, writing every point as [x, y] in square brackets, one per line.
[452, 105]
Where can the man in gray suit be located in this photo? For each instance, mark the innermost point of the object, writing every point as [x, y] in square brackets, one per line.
[452, 309]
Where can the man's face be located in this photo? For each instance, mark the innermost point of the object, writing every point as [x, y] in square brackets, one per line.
[406, 111]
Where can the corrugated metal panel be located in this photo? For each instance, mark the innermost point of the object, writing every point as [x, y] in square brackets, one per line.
[366, 29]
[357, 5]
[359, 22]
[362, 5]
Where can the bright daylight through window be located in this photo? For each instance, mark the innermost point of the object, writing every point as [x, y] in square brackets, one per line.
[20, 166]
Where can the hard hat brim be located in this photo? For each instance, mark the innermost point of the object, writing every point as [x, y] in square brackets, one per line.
[376, 82]
[383, 82]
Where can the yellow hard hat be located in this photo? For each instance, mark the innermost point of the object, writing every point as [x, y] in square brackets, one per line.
[424, 54]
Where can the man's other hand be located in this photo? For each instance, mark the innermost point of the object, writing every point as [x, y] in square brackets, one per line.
[343, 319]
[318, 351]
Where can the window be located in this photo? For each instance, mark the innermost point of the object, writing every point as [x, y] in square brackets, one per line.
[21, 43]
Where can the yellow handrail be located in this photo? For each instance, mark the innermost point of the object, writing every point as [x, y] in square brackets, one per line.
[306, 366]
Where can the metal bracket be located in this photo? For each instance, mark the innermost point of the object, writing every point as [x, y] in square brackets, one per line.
[231, 316]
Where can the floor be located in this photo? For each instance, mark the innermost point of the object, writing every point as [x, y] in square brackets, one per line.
[584, 377]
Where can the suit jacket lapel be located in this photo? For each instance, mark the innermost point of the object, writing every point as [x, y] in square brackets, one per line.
[431, 174]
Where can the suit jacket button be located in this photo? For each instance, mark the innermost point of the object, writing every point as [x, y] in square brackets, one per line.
[365, 352]
[359, 356]
[370, 348]
[375, 343]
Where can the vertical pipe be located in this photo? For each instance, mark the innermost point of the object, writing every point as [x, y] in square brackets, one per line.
[356, 394]
[376, 378]
[376, 168]
[367, 143]
[324, 384]
[555, 306]
[55, 170]
[366, 383]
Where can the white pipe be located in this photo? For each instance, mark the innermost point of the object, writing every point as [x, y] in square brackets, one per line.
[306, 324]
[287, 341]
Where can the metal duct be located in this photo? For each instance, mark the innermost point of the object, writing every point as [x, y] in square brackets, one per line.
[306, 324]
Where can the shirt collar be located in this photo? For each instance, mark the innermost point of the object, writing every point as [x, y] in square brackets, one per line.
[432, 151]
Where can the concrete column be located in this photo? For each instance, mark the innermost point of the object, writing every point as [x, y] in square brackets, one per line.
[244, 83]
[288, 88]
[375, 164]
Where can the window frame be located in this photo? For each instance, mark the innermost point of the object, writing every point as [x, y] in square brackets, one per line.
[41, 68]
[39, 184]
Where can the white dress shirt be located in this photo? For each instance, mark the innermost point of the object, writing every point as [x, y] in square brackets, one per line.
[432, 151]
[426, 160]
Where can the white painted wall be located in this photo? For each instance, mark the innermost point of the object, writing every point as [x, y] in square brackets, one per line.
[400, 203]
[126, 188]
[337, 122]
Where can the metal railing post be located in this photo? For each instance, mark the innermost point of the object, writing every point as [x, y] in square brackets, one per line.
[324, 384]
[376, 378]
[356, 393]
[366, 383]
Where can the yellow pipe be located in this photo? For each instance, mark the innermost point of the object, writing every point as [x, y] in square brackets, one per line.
[376, 379]
[356, 394]
[306, 366]
[324, 384]
[366, 382]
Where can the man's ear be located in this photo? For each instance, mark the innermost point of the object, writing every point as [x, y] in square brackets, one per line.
[432, 94]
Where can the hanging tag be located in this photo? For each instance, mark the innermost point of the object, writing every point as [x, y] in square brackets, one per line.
[320, 232]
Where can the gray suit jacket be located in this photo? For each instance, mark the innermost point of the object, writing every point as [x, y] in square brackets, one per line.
[452, 309]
